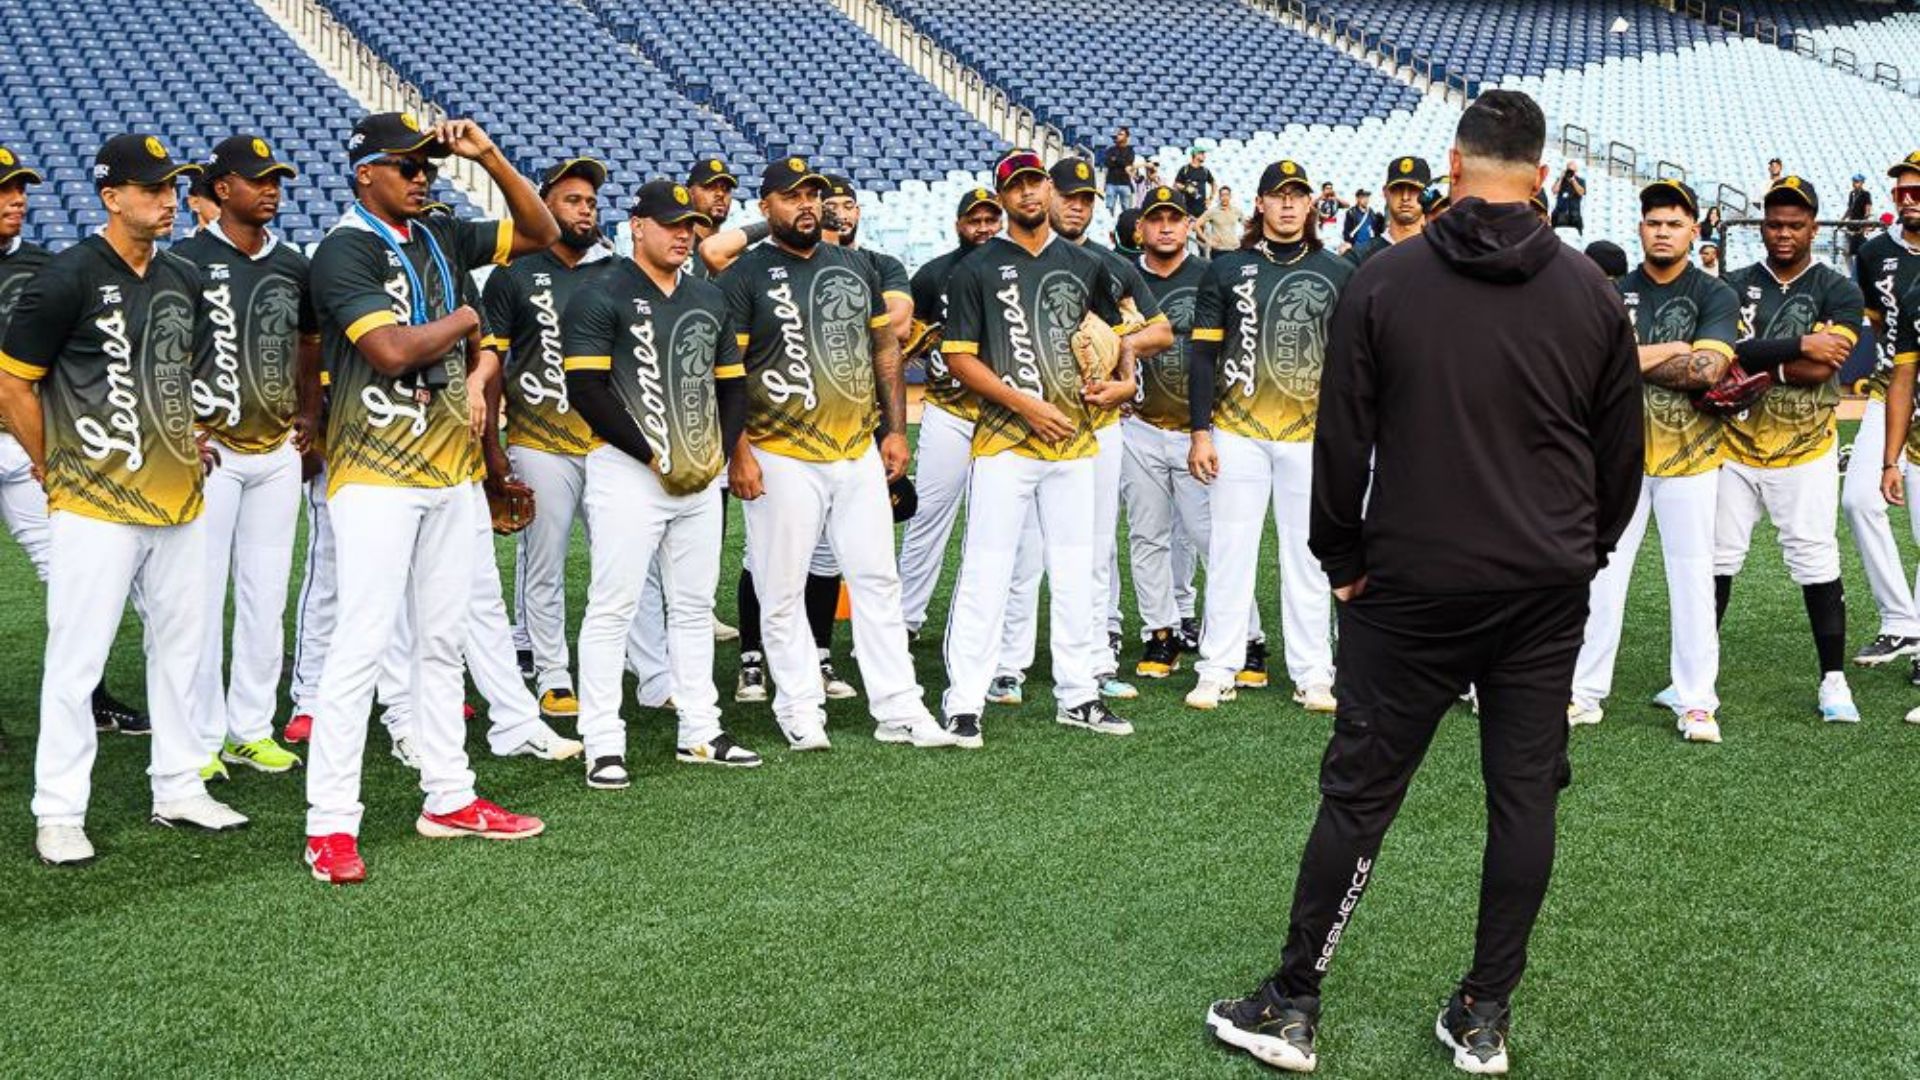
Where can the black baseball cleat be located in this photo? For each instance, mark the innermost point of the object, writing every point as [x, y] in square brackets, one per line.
[112, 714]
[1094, 716]
[525, 658]
[608, 773]
[1476, 1033]
[1276, 1030]
[1161, 657]
[1253, 671]
[1914, 675]
[1885, 649]
[1113, 643]
[1190, 634]
[966, 731]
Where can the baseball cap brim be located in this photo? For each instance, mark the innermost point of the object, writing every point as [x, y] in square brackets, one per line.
[1790, 194]
[258, 172]
[1686, 196]
[592, 170]
[1289, 181]
[1171, 203]
[1906, 166]
[678, 215]
[425, 144]
[19, 171]
[800, 181]
[164, 176]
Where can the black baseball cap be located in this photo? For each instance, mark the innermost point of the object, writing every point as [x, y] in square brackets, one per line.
[1126, 230]
[666, 202]
[711, 170]
[1792, 189]
[973, 197]
[1667, 191]
[1436, 198]
[788, 174]
[592, 170]
[391, 133]
[12, 168]
[1163, 197]
[246, 156]
[137, 159]
[1072, 176]
[1409, 170]
[840, 187]
[1282, 173]
[1610, 257]
[1910, 163]
[1016, 162]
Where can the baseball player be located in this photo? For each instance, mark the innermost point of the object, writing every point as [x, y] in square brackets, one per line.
[1886, 268]
[264, 344]
[1069, 213]
[1407, 180]
[106, 332]
[1262, 314]
[1687, 322]
[656, 372]
[1799, 322]
[1902, 445]
[1165, 504]
[824, 371]
[23, 502]
[1013, 309]
[400, 453]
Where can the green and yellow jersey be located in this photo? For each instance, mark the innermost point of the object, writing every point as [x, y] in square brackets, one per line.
[524, 302]
[1701, 310]
[259, 308]
[1790, 425]
[1270, 316]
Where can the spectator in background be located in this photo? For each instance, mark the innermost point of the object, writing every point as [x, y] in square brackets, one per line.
[1326, 209]
[1712, 230]
[1220, 227]
[1859, 208]
[1362, 223]
[200, 200]
[1610, 257]
[1710, 259]
[1773, 174]
[1195, 182]
[1147, 177]
[1118, 160]
[1568, 194]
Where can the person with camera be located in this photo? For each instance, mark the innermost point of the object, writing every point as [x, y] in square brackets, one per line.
[1567, 195]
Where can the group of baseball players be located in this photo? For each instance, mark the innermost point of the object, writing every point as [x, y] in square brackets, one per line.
[425, 380]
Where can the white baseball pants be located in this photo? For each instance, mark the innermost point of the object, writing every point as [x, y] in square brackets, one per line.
[1166, 516]
[317, 608]
[559, 483]
[252, 507]
[23, 503]
[1872, 531]
[1802, 501]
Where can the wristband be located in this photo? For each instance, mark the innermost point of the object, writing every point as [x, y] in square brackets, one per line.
[1891, 465]
[757, 231]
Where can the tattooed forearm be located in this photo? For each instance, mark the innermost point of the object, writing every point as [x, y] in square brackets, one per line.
[890, 376]
[1689, 371]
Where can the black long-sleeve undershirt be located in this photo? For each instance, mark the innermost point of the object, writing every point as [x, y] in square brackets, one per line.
[591, 392]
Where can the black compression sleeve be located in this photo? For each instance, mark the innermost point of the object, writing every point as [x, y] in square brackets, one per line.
[732, 406]
[592, 395]
[1200, 376]
[1756, 355]
[757, 231]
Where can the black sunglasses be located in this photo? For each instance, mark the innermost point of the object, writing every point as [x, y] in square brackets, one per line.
[410, 169]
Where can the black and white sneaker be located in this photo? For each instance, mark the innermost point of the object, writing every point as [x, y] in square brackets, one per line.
[1476, 1033]
[752, 684]
[1190, 634]
[720, 750]
[1094, 716]
[112, 714]
[525, 659]
[1279, 1031]
[608, 773]
[966, 731]
[1113, 643]
[1885, 649]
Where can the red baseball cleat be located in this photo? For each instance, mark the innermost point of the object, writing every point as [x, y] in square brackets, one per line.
[299, 729]
[335, 859]
[479, 818]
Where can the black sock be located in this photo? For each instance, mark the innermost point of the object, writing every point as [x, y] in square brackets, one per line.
[1827, 611]
[1722, 592]
[748, 603]
[823, 601]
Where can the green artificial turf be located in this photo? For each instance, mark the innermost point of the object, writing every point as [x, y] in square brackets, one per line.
[1059, 904]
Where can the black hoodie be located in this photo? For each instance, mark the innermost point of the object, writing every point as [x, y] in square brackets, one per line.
[1488, 373]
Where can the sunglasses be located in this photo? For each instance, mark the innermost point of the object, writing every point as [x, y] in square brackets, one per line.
[1907, 193]
[409, 169]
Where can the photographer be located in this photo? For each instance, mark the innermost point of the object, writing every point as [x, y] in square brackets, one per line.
[1567, 196]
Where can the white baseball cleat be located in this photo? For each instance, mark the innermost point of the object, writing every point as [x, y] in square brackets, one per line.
[810, 737]
[1836, 700]
[1699, 725]
[547, 745]
[1582, 714]
[1208, 694]
[1315, 698]
[924, 731]
[201, 812]
[63, 845]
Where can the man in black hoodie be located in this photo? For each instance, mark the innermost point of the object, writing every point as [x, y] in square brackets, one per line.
[1506, 458]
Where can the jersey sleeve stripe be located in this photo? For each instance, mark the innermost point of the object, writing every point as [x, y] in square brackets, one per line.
[1201, 334]
[1848, 332]
[20, 369]
[497, 344]
[879, 321]
[953, 345]
[503, 244]
[730, 371]
[1720, 347]
[588, 363]
[372, 320]
[896, 294]
[742, 339]
[1905, 358]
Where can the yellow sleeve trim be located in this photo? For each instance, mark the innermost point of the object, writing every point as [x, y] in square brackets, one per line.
[497, 344]
[730, 371]
[20, 369]
[741, 340]
[1209, 335]
[879, 321]
[1160, 318]
[503, 244]
[588, 363]
[1720, 347]
[372, 320]
[326, 378]
[1902, 359]
[952, 345]
[1848, 332]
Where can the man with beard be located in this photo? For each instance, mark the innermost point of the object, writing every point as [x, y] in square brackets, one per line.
[1407, 180]
[401, 456]
[263, 348]
[1069, 214]
[1686, 323]
[824, 372]
[1012, 309]
[1799, 319]
[105, 332]
[656, 372]
[1886, 269]
[1262, 312]
[23, 502]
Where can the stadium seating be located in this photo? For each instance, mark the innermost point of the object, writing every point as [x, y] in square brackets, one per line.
[224, 67]
[796, 76]
[1789, 18]
[1224, 71]
[1884, 39]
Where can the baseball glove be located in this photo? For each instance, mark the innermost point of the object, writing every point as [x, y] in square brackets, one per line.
[511, 504]
[1096, 347]
[921, 340]
[1735, 393]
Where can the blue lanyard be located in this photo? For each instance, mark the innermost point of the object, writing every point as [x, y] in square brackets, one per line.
[416, 289]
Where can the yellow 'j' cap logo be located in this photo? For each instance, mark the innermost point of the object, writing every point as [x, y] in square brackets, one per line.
[1406, 165]
[1082, 171]
[260, 148]
[6, 156]
[407, 121]
[679, 194]
[156, 147]
[794, 164]
[1289, 168]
